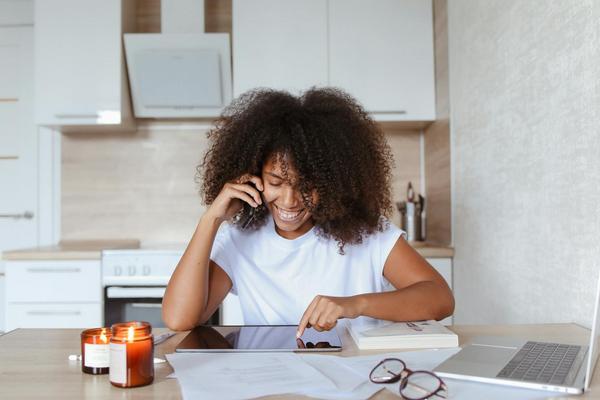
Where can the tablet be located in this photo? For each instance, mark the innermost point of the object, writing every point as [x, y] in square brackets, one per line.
[257, 338]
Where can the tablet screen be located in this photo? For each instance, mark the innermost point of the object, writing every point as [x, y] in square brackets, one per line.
[258, 338]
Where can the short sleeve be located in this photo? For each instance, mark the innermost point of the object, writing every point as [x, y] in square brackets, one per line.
[386, 241]
[221, 250]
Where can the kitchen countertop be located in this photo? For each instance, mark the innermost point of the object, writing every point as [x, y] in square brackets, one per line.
[431, 250]
[35, 363]
[71, 250]
[91, 250]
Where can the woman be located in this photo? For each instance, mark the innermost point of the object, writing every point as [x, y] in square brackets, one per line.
[304, 183]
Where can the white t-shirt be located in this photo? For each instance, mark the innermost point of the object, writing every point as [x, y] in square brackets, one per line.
[277, 278]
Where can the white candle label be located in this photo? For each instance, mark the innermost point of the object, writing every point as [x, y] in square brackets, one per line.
[96, 355]
[118, 363]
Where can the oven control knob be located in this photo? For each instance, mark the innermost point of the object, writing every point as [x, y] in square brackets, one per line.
[146, 270]
[118, 270]
[131, 270]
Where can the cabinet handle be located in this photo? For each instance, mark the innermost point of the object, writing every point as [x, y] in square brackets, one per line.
[76, 116]
[8, 99]
[146, 305]
[53, 312]
[52, 270]
[26, 215]
[388, 112]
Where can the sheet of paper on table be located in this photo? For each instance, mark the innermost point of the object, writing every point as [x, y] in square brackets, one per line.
[244, 375]
[428, 360]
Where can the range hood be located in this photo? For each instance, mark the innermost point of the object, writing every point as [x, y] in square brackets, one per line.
[182, 72]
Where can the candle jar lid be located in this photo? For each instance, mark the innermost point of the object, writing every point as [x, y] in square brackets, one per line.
[131, 331]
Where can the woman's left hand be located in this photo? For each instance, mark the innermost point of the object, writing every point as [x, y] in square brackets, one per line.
[324, 311]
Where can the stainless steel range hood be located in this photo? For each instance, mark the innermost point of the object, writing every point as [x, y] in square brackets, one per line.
[181, 72]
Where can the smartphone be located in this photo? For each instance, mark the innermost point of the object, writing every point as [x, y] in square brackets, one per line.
[248, 212]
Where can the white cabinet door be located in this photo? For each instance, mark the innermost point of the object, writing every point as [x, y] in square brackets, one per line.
[53, 294]
[54, 316]
[444, 267]
[381, 52]
[280, 44]
[79, 72]
[53, 281]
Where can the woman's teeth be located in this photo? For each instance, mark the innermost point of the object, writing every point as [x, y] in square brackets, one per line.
[287, 215]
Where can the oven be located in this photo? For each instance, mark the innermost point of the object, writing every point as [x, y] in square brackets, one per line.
[133, 303]
[134, 282]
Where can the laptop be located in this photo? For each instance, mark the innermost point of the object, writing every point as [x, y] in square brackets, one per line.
[530, 364]
[257, 338]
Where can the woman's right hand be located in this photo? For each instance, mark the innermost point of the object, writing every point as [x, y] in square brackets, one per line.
[233, 195]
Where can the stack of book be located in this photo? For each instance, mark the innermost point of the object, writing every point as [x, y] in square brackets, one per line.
[375, 334]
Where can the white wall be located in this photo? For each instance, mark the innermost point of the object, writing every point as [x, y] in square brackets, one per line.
[525, 132]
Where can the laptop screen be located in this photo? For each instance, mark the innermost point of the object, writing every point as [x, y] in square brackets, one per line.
[593, 350]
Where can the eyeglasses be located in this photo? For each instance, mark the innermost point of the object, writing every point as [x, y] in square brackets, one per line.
[414, 385]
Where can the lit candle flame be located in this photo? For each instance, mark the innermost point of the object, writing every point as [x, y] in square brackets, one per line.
[103, 336]
[130, 334]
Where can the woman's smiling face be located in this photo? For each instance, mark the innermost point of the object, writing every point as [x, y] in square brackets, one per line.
[292, 217]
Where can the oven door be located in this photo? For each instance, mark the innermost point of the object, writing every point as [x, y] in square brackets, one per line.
[133, 303]
[138, 303]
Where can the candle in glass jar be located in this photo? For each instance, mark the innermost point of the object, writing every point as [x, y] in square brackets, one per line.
[131, 354]
[95, 350]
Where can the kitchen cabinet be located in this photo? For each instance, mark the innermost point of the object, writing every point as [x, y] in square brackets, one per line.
[79, 63]
[381, 52]
[279, 44]
[444, 267]
[2, 297]
[53, 294]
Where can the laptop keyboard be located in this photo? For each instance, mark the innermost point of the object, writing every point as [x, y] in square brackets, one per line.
[541, 362]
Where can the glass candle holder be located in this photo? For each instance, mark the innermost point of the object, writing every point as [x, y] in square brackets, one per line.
[131, 354]
[95, 351]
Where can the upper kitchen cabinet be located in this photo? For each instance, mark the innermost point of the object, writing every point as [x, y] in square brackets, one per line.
[280, 44]
[380, 51]
[79, 64]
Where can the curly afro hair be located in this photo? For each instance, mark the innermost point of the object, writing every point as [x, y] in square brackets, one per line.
[332, 145]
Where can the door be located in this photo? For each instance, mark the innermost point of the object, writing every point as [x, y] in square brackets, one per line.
[18, 146]
[18, 140]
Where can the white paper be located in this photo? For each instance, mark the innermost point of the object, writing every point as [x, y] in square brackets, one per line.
[245, 375]
[428, 360]
[248, 375]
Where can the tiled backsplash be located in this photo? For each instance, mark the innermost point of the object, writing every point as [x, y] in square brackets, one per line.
[141, 184]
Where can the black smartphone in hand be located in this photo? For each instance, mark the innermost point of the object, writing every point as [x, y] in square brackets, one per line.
[248, 213]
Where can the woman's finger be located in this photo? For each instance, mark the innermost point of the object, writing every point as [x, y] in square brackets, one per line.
[251, 190]
[256, 180]
[304, 321]
[327, 320]
[242, 195]
[258, 183]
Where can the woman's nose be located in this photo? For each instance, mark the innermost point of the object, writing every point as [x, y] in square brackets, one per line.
[289, 198]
